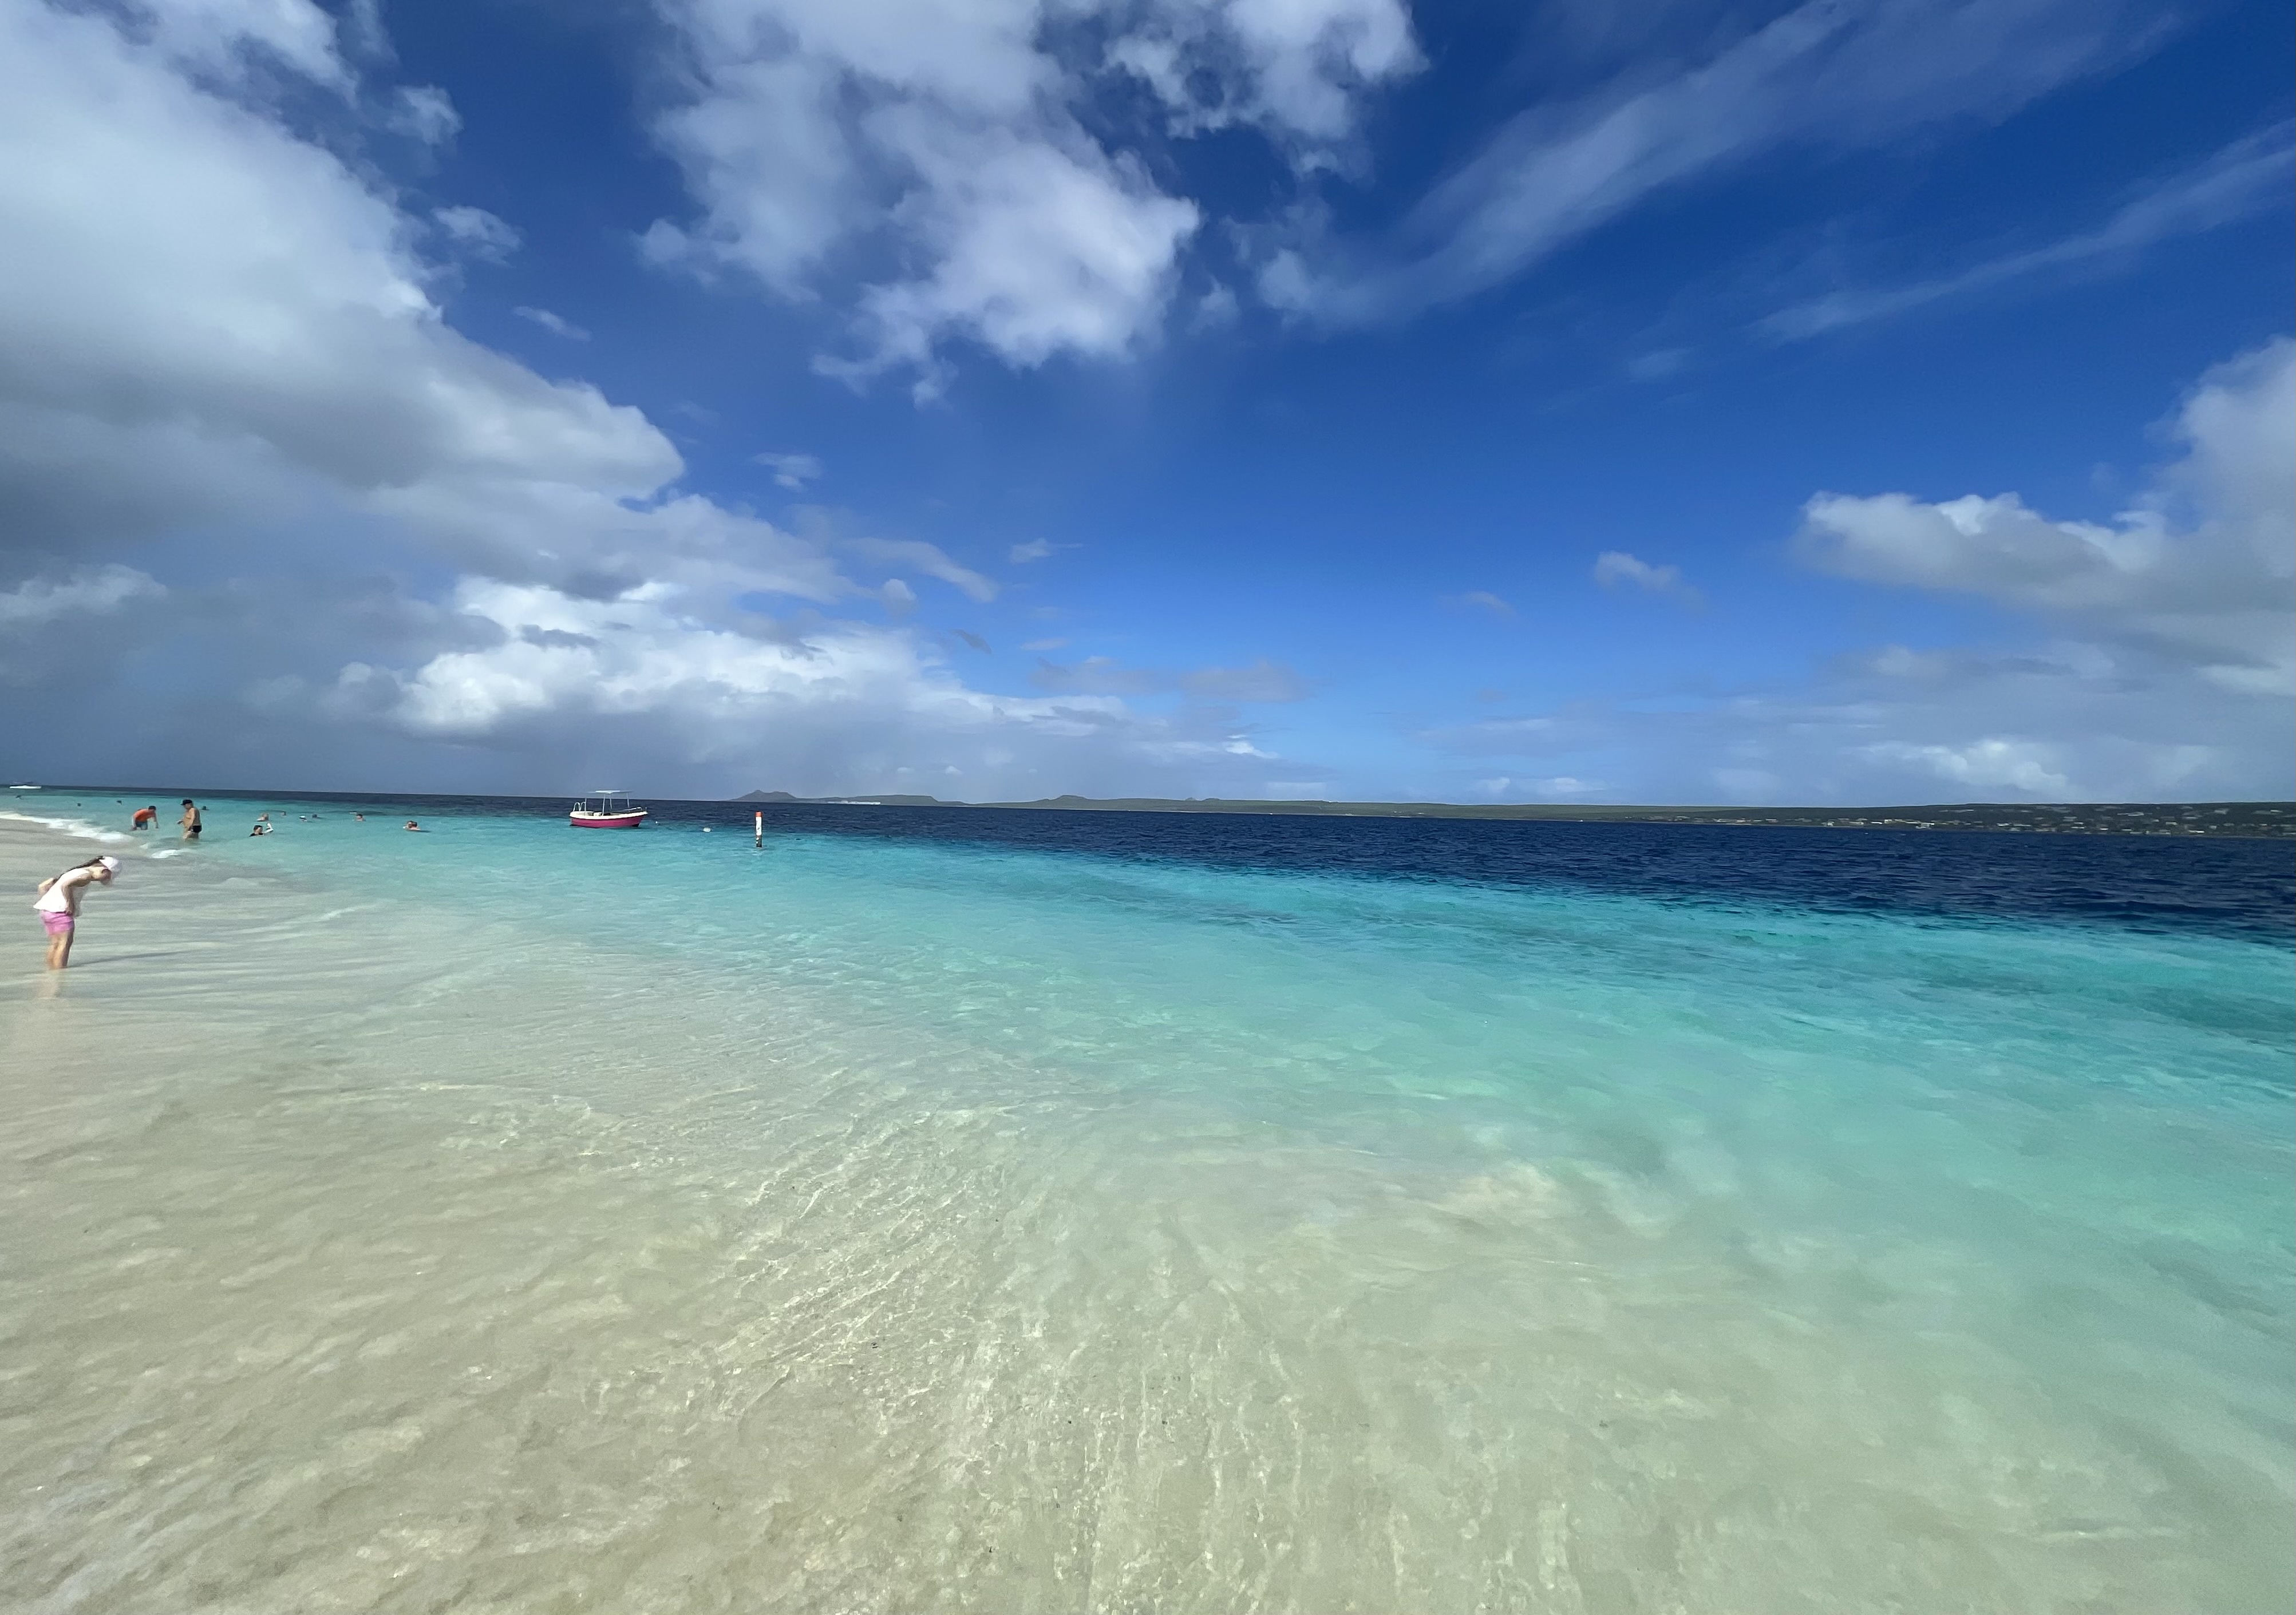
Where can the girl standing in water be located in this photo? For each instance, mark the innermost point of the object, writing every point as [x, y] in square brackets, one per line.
[58, 902]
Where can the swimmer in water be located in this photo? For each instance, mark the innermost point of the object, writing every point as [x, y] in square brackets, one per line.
[191, 821]
[260, 828]
[411, 824]
[58, 902]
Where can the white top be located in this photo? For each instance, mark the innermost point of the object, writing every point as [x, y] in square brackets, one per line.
[58, 898]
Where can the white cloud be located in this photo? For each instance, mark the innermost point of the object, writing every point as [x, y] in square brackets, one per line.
[2235, 183]
[662, 676]
[2159, 650]
[1824, 76]
[206, 319]
[556, 324]
[1560, 787]
[1294, 67]
[1038, 250]
[922, 557]
[217, 39]
[424, 113]
[1613, 567]
[2214, 592]
[480, 233]
[84, 591]
[1035, 549]
[939, 156]
[793, 469]
[1989, 765]
[202, 317]
[644, 653]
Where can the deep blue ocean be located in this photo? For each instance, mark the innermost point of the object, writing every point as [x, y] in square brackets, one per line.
[2230, 886]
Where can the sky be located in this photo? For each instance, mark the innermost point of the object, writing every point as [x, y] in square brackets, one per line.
[1685, 401]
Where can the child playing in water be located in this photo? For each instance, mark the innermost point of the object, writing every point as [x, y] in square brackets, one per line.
[58, 902]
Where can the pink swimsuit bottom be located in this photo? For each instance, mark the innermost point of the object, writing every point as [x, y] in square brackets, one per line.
[58, 923]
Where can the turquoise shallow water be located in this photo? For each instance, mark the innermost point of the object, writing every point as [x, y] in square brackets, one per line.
[1003, 1228]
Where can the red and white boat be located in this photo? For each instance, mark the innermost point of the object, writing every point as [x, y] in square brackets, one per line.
[606, 810]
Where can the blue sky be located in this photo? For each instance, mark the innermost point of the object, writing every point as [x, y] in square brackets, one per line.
[1683, 402]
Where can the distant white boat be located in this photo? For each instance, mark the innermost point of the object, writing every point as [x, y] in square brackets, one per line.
[23, 787]
[606, 810]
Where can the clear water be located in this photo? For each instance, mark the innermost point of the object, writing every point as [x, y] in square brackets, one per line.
[1039, 1212]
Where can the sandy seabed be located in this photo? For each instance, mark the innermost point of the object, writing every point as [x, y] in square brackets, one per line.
[356, 1256]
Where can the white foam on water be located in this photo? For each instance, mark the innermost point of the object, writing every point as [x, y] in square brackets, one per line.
[468, 1223]
[79, 829]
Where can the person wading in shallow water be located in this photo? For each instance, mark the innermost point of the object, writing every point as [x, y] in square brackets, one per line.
[59, 904]
[190, 820]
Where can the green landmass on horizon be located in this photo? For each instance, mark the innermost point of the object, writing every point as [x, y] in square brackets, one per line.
[2073, 818]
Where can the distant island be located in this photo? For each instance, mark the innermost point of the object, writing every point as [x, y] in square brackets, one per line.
[2072, 818]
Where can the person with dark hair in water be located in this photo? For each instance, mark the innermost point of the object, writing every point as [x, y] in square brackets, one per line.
[58, 902]
[191, 821]
[145, 817]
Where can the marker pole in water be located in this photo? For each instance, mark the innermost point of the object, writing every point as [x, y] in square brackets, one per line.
[761, 827]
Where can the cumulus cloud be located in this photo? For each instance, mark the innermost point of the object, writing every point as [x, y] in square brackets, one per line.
[223, 39]
[2202, 572]
[1038, 250]
[951, 145]
[2158, 655]
[207, 320]
[1293, 67]
[656, 675]
[649, 652]
[1035, 549]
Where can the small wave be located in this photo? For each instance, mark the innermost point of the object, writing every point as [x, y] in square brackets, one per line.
[78, 827]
